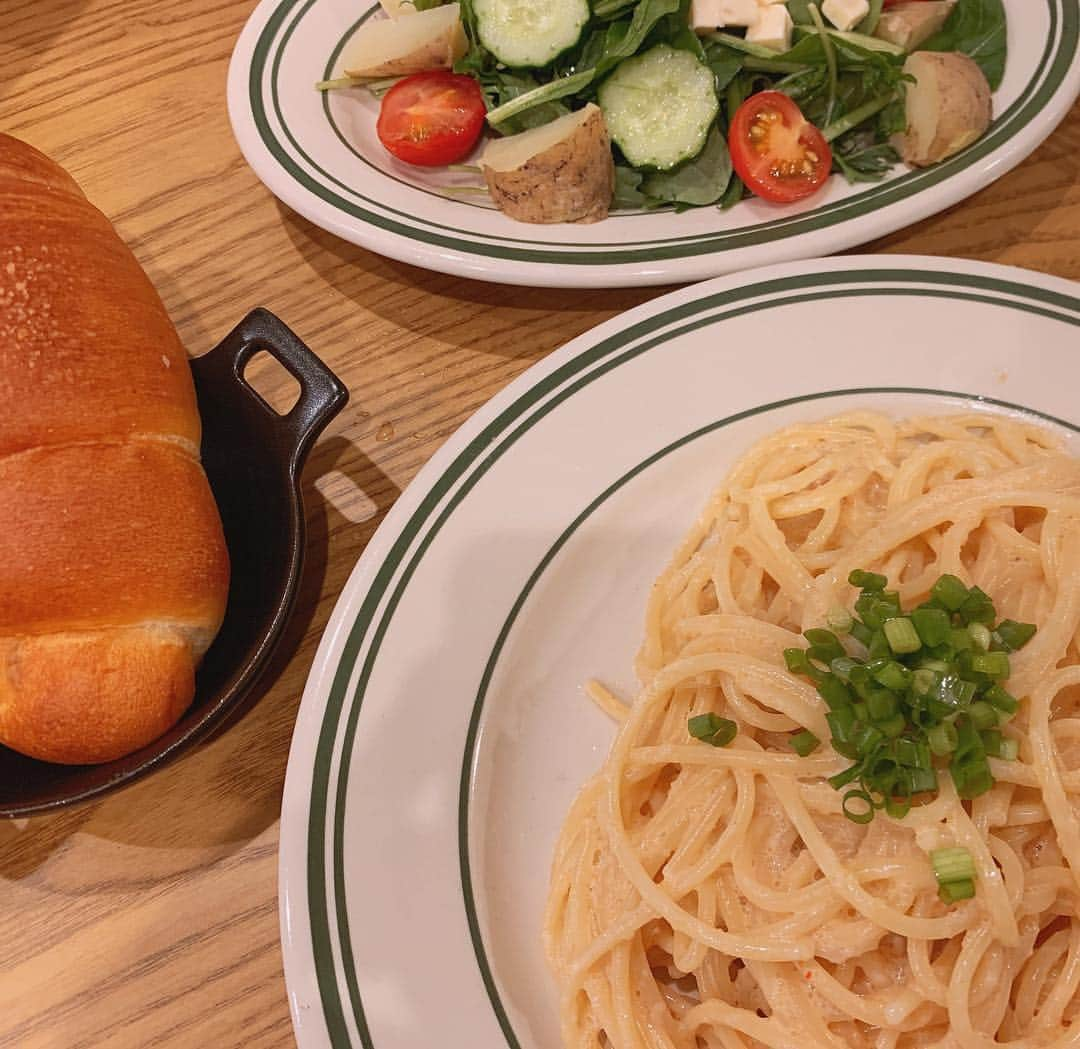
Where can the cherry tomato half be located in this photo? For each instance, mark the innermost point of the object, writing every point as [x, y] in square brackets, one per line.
[775, 151]
[431, 118]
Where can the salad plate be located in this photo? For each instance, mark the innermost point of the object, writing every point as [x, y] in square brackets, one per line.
[319, 154]
[444, 730]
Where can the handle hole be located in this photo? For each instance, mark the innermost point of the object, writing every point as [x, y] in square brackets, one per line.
[274, 383]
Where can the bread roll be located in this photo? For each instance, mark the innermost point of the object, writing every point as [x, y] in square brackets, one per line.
[113, 567]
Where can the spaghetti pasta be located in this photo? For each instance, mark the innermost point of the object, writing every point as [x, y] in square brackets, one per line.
[717, 898]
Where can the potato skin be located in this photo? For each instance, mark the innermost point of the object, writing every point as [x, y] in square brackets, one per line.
[571, 181]
[960, 113]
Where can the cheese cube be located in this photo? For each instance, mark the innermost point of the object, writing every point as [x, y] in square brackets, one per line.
[707, 15]
[772, 28]
[845, 14]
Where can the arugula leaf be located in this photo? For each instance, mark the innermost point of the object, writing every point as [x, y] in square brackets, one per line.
[860, 159]
[976, 28]
[501, 86]
[605, 48]
[699, 181]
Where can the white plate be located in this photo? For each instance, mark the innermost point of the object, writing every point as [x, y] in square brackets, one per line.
[319, 155]
[443, 731]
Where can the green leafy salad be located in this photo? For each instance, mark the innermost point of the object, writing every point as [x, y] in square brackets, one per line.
[678, 102]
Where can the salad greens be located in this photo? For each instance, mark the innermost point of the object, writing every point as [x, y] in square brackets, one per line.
[850, 85]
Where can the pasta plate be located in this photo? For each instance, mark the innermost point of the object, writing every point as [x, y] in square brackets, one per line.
[444, 730]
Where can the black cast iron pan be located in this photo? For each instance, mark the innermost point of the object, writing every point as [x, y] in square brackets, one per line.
[253, 457]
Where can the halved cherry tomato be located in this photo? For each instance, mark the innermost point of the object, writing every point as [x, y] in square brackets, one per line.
[431, 118]
[775, 151]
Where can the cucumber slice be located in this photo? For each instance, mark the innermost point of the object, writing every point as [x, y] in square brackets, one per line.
[659, 107]
[526, 33]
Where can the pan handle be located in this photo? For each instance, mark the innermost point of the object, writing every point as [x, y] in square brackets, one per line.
[322, 393]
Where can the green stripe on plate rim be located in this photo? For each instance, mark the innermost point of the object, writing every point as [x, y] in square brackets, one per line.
[1025, 109]
[482, 452]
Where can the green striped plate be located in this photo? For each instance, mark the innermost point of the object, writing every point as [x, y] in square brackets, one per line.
[319, 154]
[443, 730]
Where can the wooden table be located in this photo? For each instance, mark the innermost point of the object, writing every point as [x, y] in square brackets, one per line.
[150, 918]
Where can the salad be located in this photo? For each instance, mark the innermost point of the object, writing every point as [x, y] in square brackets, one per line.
[589, 105]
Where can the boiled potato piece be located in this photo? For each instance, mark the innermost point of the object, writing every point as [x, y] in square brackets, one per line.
[948, 107]
[432, 39]
[911, 24]
[560, 172]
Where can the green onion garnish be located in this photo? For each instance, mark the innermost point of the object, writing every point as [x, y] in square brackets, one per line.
[922, 695]
[952, 864]
[954, 891]
[858, 806]
[1013, 635]
[840, 620]
[902, 636]
[867, 580]
[710, 728]
[949, 592]
[942, 738]
[804, 743]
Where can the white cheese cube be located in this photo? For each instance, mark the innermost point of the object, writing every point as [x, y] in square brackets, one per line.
[845, 14]
[772, 28]
[707, 15]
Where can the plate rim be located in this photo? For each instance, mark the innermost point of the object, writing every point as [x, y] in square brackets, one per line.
[838, 225]
[297, 860]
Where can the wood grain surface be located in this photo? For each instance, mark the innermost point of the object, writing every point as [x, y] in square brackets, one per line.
[150, 917]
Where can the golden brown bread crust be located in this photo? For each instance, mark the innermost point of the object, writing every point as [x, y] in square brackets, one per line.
[81, 698]
[86, 347]
[137, 541]
[113, 566]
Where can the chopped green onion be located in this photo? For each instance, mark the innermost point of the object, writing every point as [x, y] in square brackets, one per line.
[843, 667]
[953, 891]
[1013, 635]
[1009, 749]
[960, 640]
[882, 705]
[840, 620]
[980, 634]
[950, 592]
[997, 697]
[796, 660]
[893, 676]
[991, 741]
[922, 780]
[892, 727]
[952, 864]
[804, 743]
[977, 607]
[867, 580]
[983, 715]
[861, 632]
[923, 681]
[858, 806]
[849, 775]
[711, 729]
[992, 664]
[933, 625]
[834, 692]
[942, 738]
[902, 636]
